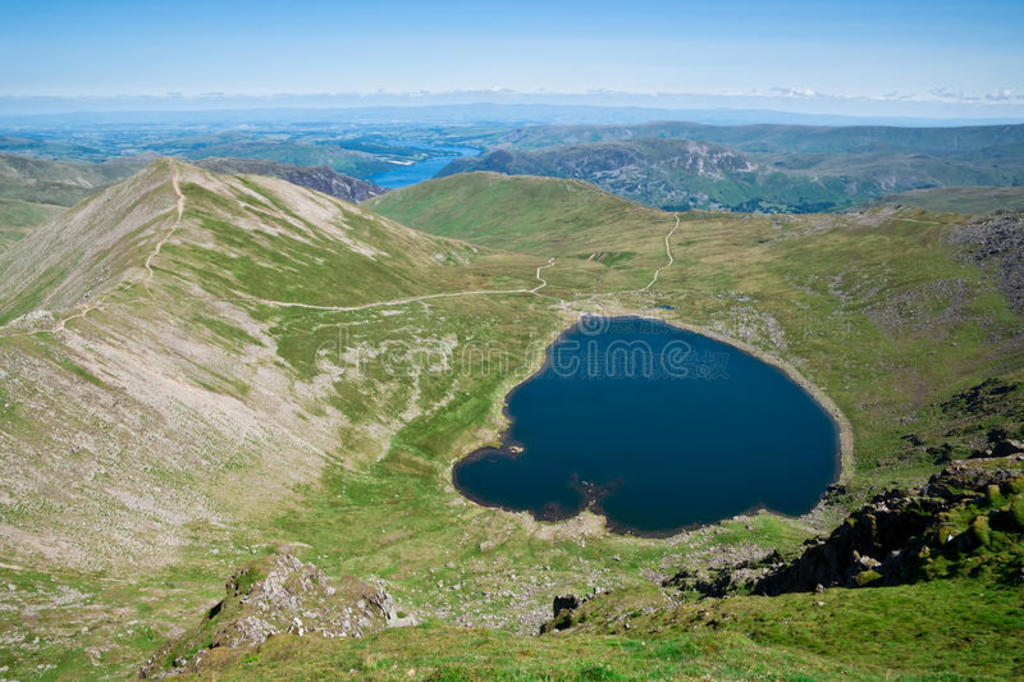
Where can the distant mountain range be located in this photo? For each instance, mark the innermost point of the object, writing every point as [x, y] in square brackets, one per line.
[61, 183]
[771, 168]
[781, 138]
[967, 200]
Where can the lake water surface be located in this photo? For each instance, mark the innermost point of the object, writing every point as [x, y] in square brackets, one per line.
[403, 176]
[657, 428]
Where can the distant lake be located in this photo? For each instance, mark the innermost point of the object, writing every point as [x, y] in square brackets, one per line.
[657, 428]
[403, 176]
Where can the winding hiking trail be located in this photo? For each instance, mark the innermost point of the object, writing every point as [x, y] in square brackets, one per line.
[411, 299]
[175, 180]
[543, 282]
[668, 252]
[85, 308]
[385, 304]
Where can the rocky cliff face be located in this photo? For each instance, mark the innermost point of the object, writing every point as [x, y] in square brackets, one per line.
[966, 520]
[319, 178]
[275, 595]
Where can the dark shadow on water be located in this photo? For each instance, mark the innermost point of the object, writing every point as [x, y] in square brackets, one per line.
[658, 429]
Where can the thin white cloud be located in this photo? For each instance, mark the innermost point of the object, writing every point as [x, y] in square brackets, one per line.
[1002, 95]
[799, 92]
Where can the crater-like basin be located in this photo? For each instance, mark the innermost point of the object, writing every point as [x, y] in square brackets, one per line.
[658, 429]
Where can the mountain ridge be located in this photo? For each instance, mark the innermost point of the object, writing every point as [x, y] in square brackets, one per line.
[779, 137]
[767, 168]
[320, 178]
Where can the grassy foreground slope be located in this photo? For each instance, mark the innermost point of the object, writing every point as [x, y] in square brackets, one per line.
[183, 356]
[271, 367]
[942, 630]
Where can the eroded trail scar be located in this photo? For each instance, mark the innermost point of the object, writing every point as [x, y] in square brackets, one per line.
[543, 282]
[88, 306]
[387, 304]
[177, 221]
[85, 308]
[668, 252]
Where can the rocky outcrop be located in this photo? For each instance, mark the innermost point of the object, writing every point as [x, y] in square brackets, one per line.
[724, 580]
[984, 420]
[568, 601]
[965, 520]
[566, 610]
[277, 594]
[562, 609]
[997, 242]
[319, 178]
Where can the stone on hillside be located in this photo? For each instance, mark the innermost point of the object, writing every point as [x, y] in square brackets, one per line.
[275, 595]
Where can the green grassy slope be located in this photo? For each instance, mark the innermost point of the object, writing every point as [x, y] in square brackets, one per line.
[521, 213]
[17, 218]
[59, 182]
[964, 200]
[948, 630]
[32, 191]
[195, 398]
[199, 417]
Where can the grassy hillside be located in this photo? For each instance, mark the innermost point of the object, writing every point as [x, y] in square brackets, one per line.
[865, 635]
[200, 369]
[33, 190]
[17, 218]
[964, 200]
[888, 287]
[543, 216]
[62, 183]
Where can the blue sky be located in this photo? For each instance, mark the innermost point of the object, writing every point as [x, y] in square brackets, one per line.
[970, 51]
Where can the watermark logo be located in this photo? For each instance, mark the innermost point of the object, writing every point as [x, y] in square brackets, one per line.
[641, 350]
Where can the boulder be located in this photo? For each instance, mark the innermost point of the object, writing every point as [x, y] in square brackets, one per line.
[275, 595]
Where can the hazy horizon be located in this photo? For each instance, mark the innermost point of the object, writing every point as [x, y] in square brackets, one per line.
[507, 106]
[911, 58]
